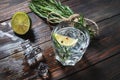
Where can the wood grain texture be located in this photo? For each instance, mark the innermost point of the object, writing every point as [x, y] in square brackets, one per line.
[13, 67]
[99, 53]
[97, 10]
[106, 46]
[109, 69]
[9, 7]
[39, 33]
[37, 22]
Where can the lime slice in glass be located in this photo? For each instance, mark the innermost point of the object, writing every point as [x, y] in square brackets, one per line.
[65, 40]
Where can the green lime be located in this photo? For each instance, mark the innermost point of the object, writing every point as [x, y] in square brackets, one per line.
[20, 23]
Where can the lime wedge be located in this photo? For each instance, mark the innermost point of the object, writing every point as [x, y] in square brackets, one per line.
[20, 23]
[65, 40]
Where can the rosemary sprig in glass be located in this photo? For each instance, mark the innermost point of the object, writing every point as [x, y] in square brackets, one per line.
[63, 49]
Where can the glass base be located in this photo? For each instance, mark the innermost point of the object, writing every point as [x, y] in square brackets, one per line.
[68, 62]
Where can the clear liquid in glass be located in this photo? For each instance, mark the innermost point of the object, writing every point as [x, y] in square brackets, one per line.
[70, 55]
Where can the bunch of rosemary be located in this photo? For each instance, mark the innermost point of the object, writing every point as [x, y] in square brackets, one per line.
[54, 12]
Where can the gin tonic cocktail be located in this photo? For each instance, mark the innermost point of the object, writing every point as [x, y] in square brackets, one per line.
[69, 43]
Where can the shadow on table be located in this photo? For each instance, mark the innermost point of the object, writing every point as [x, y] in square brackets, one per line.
[29, 35]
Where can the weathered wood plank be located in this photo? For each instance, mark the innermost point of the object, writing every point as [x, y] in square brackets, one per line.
[39, 33]
[13, 66]
[37, 21]
[106, 70]
[97, 51]
[106, 45]
[9, 7]
[97, 9]
[8, 3]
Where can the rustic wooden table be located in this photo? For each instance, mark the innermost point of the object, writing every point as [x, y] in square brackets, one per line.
[100, 62]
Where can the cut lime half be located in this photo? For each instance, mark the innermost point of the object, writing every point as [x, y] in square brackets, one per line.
[20, 23]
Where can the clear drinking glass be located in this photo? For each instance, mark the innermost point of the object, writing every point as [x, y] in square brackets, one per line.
[72, 51]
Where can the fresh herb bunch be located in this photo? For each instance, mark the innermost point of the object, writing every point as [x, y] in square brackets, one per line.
[54, 12]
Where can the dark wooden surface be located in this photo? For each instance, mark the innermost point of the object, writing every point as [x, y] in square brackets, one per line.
[101, 60]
